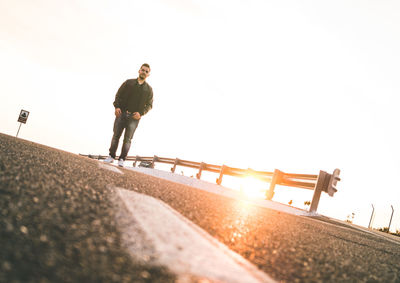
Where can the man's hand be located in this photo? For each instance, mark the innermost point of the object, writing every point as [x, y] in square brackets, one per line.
[136, 116]
[117, 112]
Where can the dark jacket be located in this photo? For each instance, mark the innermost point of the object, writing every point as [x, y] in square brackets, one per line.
[122, 96]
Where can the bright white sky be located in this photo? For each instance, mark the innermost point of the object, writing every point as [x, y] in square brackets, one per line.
[300, 86]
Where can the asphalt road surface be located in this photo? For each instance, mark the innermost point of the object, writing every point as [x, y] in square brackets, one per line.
[58, 224]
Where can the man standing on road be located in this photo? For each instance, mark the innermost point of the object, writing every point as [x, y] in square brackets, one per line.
[133, 100]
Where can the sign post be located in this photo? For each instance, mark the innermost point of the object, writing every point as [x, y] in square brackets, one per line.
[23, 116]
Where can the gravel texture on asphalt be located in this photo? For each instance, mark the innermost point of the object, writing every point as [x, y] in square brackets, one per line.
[58, 225]
[56, 221]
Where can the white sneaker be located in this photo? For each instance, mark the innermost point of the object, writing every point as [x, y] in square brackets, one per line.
[121, 163]
[109, 159]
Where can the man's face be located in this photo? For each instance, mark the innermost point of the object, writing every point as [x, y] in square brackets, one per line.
[144, 72]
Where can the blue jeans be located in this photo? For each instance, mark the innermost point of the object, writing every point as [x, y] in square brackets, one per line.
[121, 123]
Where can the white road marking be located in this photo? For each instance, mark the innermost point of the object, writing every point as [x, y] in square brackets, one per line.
[183, 247]
[220, 190]
[110, 167]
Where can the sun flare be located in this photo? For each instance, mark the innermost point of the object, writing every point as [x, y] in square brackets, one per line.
[253, 188]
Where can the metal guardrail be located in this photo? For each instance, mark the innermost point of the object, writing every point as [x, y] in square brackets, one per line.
[323, 182]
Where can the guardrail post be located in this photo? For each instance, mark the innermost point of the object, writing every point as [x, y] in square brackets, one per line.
[175, 164]
[221, 173]
[391, 217]
[275, 179]
[137, 158]
[202, 166]
[372, 214]
[323, 177]
[155, 158]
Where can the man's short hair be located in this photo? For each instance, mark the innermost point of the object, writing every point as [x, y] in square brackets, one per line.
[145, 65]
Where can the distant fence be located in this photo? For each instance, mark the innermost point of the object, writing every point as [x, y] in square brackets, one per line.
[323, 182]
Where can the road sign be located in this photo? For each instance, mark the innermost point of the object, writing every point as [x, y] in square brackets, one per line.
[23, 116]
